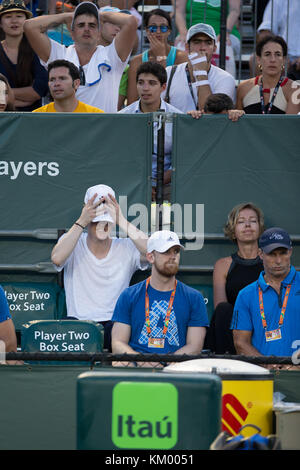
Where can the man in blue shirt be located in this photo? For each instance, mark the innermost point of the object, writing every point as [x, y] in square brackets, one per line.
[266, 317]
[160, 314]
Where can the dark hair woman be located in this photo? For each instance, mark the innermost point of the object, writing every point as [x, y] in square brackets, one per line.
[270, 92]
[26, 76]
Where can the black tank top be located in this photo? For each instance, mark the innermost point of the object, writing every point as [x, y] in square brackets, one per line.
[241, 273]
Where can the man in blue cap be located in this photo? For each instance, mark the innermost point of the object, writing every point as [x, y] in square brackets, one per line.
[266, 317]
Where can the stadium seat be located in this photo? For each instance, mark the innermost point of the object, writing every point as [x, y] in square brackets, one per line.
[62, 336]
[207, 292]
[30, 301]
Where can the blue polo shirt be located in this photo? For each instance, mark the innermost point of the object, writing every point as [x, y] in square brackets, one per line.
[247, 317]
[4, 310]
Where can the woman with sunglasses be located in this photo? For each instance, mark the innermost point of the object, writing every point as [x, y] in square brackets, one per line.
[158, 28]
[21, 66]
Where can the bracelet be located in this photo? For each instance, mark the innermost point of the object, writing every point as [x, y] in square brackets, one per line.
[197, 73]
[76, 223]
[202, 82]
[161, 57]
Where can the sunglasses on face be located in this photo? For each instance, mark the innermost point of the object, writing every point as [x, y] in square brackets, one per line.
[163, 28]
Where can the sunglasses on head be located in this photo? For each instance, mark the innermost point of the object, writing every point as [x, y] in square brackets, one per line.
[163, 28]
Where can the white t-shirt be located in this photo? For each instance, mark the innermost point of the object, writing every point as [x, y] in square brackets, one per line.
[180, 95]
[93, 285]
[102, 74]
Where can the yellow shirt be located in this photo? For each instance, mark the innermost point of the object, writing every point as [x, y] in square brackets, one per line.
[81, 108]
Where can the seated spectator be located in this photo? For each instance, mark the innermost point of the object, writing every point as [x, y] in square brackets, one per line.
[219, 103]
[158, 27]
[100, 67]
[244, 225]
[191, 83]
[160, 314]
[64, 80]
[265, 320]
[6, 95]
[25, 74]
[271, 92]
[7, 329]
[98, 267]
[151, 80]
[190, 12]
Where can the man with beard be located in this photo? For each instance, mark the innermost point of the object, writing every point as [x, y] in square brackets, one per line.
[160, 314]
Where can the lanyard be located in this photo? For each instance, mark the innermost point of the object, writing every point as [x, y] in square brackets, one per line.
[283, 309]
[188, 76]
[147, 310]
[270, 105]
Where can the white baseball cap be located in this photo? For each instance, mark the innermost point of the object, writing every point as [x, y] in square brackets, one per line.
[201, 28]
[162, 240]
[102, 191]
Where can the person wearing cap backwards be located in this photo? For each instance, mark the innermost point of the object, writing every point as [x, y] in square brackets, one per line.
[98, 267]
[100, 67]
[192, 82]
[160, 314]
[266, 317]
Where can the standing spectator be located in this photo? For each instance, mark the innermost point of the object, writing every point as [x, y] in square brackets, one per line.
[100, 67]
[18, 62]
[98, 267]
[158, 27]
[282, 18]
[191, 83]
[271, 92]
[191, 12]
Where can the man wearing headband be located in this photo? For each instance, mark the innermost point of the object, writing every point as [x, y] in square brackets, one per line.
[192, 82]
[267, 312]
[100, 67]
[161, 314]
[98, 267]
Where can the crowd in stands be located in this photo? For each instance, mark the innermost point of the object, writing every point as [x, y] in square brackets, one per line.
[85, 57]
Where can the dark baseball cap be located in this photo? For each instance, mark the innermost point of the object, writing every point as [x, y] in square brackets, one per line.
[273, 238]
[86, 8]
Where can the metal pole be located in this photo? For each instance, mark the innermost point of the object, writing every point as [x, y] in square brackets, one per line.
[223, 20]
[160, 167]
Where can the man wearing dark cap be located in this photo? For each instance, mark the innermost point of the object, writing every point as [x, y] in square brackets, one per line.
[100, 67]
[194, 81]
[266, 317]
